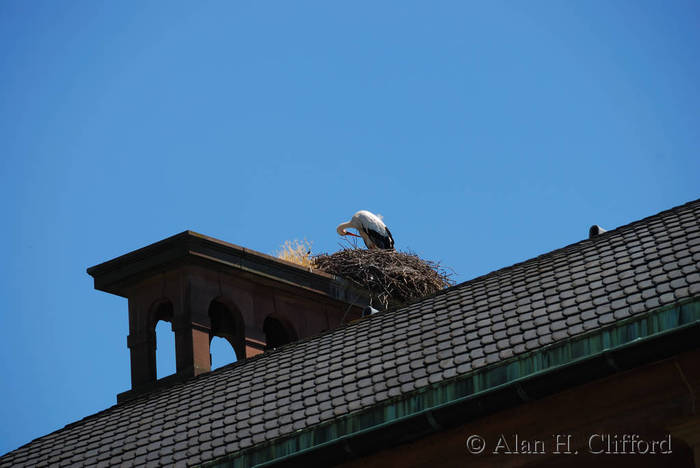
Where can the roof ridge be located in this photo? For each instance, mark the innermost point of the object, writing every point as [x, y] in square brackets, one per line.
[570, 247]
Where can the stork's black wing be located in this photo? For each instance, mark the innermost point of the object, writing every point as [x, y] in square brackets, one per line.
[390, 237]
[382, 242]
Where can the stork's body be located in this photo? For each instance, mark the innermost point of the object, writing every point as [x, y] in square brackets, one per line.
[371, 228]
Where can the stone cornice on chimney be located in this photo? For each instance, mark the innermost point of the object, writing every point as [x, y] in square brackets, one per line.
[116, 276]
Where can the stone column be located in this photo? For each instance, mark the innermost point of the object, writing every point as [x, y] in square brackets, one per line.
[142, 348]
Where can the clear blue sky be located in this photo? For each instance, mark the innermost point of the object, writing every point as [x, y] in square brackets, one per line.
[486, 133]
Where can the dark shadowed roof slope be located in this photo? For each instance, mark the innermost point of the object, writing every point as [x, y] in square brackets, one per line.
[566, 295]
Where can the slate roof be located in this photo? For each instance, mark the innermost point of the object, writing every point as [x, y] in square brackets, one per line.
[585, 286]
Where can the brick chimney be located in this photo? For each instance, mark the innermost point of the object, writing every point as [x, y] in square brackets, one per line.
[204, 288]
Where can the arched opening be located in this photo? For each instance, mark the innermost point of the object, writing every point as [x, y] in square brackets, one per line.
[165, 349]
[164, 342]
[226, 343]
[221, 352]
[277, 333]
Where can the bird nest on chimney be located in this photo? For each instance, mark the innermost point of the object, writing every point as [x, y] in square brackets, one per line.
[392, 278]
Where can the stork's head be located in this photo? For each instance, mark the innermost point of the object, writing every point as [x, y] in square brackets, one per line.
[341, 229]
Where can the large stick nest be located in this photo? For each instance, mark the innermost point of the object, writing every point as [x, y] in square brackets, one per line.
[391, 277]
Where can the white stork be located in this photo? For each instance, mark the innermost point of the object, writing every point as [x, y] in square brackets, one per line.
[371, 228]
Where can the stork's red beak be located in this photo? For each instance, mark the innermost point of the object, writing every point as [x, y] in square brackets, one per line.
[351, 234]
